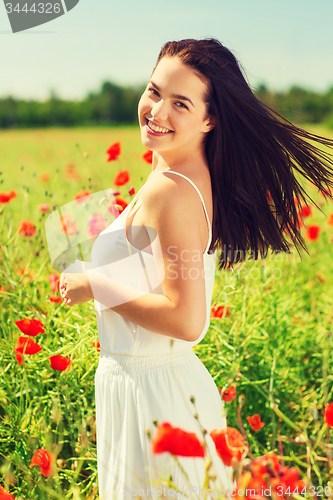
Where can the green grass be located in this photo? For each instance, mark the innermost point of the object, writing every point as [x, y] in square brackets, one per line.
[275, 347]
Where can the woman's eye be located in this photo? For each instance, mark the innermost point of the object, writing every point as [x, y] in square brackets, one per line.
[154, 92]
[182, 105]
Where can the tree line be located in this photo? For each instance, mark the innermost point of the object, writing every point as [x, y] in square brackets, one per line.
[299, 105]
[114, 104]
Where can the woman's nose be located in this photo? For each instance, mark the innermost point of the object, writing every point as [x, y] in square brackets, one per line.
[159, 111]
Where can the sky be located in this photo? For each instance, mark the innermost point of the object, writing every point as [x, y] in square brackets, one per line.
[279, 43]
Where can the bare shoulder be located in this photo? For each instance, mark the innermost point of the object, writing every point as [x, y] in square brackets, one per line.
[171, 191]
[170, 202]
[172, 207]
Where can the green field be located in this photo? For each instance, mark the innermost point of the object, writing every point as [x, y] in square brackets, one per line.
[275, 346]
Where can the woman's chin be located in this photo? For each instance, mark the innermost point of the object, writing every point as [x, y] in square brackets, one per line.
[147, 142]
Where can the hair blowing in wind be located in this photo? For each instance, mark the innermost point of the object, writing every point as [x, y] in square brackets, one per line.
[255, 157]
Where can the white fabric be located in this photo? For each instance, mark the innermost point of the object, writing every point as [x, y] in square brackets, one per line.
[143, 376]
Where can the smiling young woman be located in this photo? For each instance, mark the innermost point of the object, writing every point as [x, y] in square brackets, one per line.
[172, 122]
[222, 177]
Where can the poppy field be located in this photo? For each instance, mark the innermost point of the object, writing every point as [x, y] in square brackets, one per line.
[268, 348]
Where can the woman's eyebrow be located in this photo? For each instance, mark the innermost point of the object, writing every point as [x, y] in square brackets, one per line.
[176, 96]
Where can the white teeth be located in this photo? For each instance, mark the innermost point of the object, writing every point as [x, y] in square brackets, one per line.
[158, 129]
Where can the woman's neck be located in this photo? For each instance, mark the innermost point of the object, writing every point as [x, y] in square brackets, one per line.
[167, 160]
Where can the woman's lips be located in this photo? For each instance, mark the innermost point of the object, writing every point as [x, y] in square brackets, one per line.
[153, 132]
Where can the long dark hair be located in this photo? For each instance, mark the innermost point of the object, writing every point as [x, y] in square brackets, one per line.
[252, 153]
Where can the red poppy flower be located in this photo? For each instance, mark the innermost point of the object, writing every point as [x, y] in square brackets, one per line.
[253, 486]
[148, 156]
[26, 228]
[67, 226]
[5, 495]
[54, 281]
[31, 327]
[114, 192]
[18, 357]
[229, 444]
[267, 473]
[26, 345]
[113, 151]
[290, 477]
[305, 211]
[329, 220]
[98, 346]
[117, 206]
[44, 177]
[229, 394]
[312, 232]
[269, 469]
[59, 362]
[54, 298]
[44, 459]
[121, 178]
[44, 207]
[255, 422]
[261, 465]
[328, 415]
[82, 194]
[220, 311]
[6, 197]
[176, 441]
[131, 191]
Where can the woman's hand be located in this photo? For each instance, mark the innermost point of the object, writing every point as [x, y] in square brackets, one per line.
[75, 288]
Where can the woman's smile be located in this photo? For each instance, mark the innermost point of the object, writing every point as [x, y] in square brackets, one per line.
[156, 130]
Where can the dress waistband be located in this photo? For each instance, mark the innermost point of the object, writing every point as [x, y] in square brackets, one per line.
[116, 363]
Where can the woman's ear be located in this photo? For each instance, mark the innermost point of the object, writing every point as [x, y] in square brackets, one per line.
[210, 123]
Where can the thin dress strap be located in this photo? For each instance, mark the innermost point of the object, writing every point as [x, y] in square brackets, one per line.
[197, 190]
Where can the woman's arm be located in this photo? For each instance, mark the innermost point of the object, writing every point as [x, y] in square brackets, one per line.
[173, 209]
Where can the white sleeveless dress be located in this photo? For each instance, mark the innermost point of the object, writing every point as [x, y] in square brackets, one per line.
[143, 376]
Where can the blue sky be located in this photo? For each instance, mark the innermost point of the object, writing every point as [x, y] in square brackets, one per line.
[278, 43]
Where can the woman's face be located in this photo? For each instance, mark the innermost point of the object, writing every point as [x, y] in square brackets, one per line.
[172, 111]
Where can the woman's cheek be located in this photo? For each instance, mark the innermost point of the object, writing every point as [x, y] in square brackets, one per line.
[141, 105]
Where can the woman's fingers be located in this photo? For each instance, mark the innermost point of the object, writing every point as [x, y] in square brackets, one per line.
[62, 284]
[63, 290]
[67, 300]
[62, 279]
